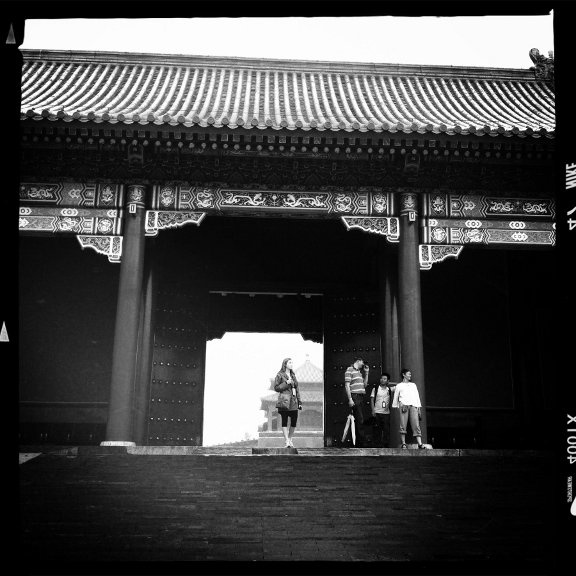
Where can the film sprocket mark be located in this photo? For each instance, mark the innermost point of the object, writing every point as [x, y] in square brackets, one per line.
[571, 183]
[571, 440]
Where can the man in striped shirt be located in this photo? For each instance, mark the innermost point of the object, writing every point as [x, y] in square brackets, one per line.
[355, 384]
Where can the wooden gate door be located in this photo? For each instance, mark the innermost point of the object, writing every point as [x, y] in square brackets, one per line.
[351, 328]
[177, 389]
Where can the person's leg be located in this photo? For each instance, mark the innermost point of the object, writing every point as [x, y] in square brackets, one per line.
[377, 430]
[385, 430]
[403, 423]
[293, 421]
[359, 418]
[284, 416]
[415, 424]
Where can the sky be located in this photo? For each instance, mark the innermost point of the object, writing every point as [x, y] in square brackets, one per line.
[251, 360]
[487, 41]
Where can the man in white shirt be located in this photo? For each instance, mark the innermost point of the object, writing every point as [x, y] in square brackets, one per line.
[380, 401]
[407, 400]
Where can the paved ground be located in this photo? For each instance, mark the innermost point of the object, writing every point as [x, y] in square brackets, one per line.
[85, 505]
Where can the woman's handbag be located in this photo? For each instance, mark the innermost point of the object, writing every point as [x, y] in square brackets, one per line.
[283, 401]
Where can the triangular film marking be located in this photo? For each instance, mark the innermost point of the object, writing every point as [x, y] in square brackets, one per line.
[11, 39]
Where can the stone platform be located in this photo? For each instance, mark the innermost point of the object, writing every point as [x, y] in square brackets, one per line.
[275, 451]
[84, 504]
[301, 439]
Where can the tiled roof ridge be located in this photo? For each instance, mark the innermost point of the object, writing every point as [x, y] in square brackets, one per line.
[160, 91]
[250, 63]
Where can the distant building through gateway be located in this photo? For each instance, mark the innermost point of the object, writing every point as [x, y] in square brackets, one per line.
[310, 428]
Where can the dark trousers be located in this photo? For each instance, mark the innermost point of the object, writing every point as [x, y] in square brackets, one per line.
[381, 430]
[360, 407]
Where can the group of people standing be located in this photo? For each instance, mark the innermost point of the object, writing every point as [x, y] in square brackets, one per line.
[384, 396]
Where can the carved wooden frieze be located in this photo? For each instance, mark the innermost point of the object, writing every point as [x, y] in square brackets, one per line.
[136, 197]
[110, 246]
[475, 231]
[388, 227]
[430, 254]
[327, 202]
[71, 207]
[160, 220]
[440, 205]
[382, 203]
[475, 219]
[72, 194]
[408, 202]
[76, 220]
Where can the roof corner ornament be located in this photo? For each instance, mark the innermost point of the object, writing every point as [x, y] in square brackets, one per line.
[543, 66]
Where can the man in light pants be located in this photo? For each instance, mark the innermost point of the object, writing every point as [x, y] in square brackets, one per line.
[407, 400]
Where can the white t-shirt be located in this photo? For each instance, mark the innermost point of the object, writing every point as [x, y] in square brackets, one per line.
[407, 394]
[382, 400]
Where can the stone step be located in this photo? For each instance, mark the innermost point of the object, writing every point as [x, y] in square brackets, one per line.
[88, 503]
[275, 451]
[412, 451]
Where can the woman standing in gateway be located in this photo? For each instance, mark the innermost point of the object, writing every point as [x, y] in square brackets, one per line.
[288, 399]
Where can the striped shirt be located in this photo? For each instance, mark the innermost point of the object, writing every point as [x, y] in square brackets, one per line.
[354, 378]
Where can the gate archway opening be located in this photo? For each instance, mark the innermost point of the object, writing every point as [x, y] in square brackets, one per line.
[239, 400]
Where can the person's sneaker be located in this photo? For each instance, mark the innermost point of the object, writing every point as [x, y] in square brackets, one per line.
[404, 447]
[422, 446]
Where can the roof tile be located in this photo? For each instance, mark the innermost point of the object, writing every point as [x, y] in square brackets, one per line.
[267, 94]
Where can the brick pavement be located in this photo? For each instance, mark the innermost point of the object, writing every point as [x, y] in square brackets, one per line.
[85, 505]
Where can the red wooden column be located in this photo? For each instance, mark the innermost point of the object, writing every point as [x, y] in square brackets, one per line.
[390, 339]
[144, 359]
[119, 428]
[409, 301]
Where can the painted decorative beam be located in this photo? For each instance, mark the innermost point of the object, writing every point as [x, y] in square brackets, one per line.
[441, 205]
[388, 227]
[72, 194]
[324, 202]
[162, 219]
[79, 220]
[430, 254]
[110, 246]
[475, 231]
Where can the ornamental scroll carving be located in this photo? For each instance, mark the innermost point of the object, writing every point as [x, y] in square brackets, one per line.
[331, 202]
[439, 205]
[430, 254]
[110, 246]
[65, 220]
[452, 219]
[71, 194]
[408, 202]
[446, 231]
[161, 220]
[388, 227]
